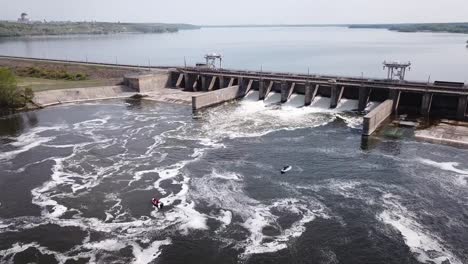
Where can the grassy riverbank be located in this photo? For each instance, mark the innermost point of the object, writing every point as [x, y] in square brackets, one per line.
[14, 29]
[426, 27]
[43, 76]
[40, 84]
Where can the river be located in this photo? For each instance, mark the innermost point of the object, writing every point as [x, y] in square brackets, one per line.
[321, 50]
[76, 180]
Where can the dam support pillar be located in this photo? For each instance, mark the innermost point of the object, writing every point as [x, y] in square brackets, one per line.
[269, 88]
[231, 82]
[261, 89]
[249, 87]
[364, 94]
[286, 91]
[395, 97]
[212, 83]
[180, 79]
[336, 94]
[221, 82]
[204, 84]
[308, 94]
[188, 82]
[242, 86]
[426, 104]
[461, 109]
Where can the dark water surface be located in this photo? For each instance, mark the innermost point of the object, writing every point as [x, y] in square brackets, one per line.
[76, 183]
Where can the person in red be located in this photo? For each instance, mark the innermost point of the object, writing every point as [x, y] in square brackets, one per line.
[157, 203]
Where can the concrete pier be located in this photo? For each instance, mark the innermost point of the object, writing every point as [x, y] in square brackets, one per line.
[212, 98]
[188, 78]
[222, 82]
[426, 104]
[265, 90]
[286, 91]
[212, 83]
[249, 87]
[147, 82]
[307, 94]
[395, 97]
[364, 94]
[376, 117]
[336, 94]
[261, 89]
[204, 81]
[461, 108]
[180, 79]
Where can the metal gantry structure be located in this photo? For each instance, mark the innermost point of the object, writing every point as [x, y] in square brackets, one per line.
[211, 60]
[396, 70]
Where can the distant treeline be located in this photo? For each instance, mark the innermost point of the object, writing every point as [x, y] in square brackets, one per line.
[429, 27]
[14, 29]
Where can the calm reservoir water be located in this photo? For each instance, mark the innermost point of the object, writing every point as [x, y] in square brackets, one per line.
[331, 50]
[76, 180]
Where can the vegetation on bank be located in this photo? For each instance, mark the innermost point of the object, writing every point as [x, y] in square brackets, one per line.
[15, 29]
[426, 27]
[53, 74]
[11, 96]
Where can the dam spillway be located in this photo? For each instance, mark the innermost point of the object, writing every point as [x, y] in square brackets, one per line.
[446, 98]
[437, 99]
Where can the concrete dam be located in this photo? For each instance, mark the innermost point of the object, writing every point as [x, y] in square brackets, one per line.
[204, 87]
[215, 86]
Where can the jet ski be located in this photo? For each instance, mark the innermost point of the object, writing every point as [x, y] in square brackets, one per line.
[285, 169]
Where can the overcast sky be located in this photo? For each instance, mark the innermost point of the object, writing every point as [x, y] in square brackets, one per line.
[241, 11]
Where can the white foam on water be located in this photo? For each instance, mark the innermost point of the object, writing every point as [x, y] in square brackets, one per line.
[321, 104]
[2, 226]
[347, 105]
[253, 118]
[252, 96]
[225, 218]
[226, 175]
[420, 241]
[106, 245]
[92, 123]
[354, 122]
[191, 218]
[28, 141]
[295, 101]
[448, 166]
[7, 255]
[224, 190]
[147, 255]
[263, 217]
[158, 140]
[272, 98]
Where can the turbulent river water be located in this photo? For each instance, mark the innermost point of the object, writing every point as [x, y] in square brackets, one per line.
[76, 183]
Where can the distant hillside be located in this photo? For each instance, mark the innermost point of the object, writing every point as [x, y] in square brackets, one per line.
[429, 27]
[13, 29]
[272, 25]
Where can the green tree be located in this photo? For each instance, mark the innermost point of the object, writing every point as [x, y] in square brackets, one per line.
[10, 97]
